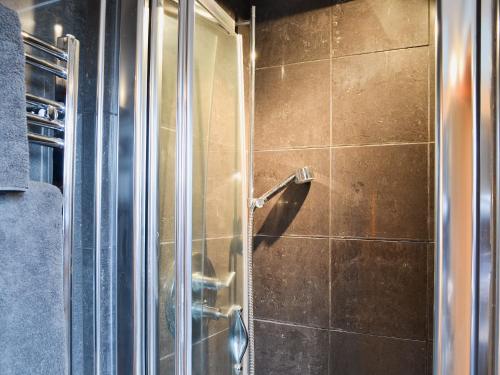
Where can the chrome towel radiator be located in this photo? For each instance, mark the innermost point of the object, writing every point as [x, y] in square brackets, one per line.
[60, 116]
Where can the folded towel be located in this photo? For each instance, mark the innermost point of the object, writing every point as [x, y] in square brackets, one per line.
[14, 156]
[32, 333]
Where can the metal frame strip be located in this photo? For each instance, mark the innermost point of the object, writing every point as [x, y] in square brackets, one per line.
[155, 84]
[184, 189]
[99, 151]
[73, 51]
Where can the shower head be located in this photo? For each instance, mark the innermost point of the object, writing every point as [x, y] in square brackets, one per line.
[300, 176]
[303, 175]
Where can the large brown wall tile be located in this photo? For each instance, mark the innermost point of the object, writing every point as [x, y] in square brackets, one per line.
[380, 192]
[430, 290]
[284, 38]
[354, 354]
[292, 280]
[299, 209]
[362, 26]
[380, 288]
[380, 97]
[290, 350]
[292, 106]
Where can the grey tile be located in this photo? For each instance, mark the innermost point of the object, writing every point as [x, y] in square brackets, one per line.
[432, 191]
[291, 350]
[380, 97]
[430, 290]
[380, 192]
[211, 356]
[430, 356]
[284, 36]
[291, 280]
[363, 26]
[432, 69]
[354, 354]
[379, 287]
[223, 193]
[167, 365]
[292, 106]
[299, 209]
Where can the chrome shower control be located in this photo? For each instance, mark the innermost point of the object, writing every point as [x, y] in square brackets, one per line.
[201, 281]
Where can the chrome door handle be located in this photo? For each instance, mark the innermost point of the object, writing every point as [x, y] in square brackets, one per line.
[238, 338]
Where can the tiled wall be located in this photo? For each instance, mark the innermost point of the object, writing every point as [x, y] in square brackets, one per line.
[343, 267]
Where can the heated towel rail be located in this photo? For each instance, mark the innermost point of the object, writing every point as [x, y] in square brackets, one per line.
[60, 116]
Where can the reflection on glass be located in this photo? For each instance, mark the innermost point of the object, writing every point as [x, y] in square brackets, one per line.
[217, 190]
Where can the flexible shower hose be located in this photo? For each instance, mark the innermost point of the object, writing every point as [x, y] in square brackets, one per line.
[251, 342]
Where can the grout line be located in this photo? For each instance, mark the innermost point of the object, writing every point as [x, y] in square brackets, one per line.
[336, 330]
[290, 324]
[169, 355]
[341, 238]
[381, 51]
[292, 64]
[324, 147]
[342, 56]
[171, 242]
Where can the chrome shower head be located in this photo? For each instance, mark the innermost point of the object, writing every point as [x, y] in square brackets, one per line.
[304, 175]
[301, 176]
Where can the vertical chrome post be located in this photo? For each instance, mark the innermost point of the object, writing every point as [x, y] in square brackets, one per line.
[486, 190]
[98, 189]
[457, 194]
[155, 84]
[184, 189]
[72, 45]
[139, 181]
[245, 183]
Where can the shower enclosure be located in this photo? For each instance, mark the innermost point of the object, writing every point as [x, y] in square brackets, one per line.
[182, 200]
[208, 231]
[183, 292]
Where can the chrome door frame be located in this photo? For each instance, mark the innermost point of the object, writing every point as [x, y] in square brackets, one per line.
[183, 177]
[131, 199]
[183, 187]
[466, 160]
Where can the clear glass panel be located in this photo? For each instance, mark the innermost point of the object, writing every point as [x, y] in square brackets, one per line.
[218, 201]
[166, 196]
[217, 191]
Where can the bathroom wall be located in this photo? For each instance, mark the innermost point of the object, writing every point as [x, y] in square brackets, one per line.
[343, 267]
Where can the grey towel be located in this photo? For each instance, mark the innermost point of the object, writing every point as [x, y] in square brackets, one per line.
[14, 156]
[32, 337]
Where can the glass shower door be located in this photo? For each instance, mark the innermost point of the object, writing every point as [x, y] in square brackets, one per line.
[218, 193]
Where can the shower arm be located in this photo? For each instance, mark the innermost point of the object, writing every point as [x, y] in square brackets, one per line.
[300, 176]
[261, 201]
